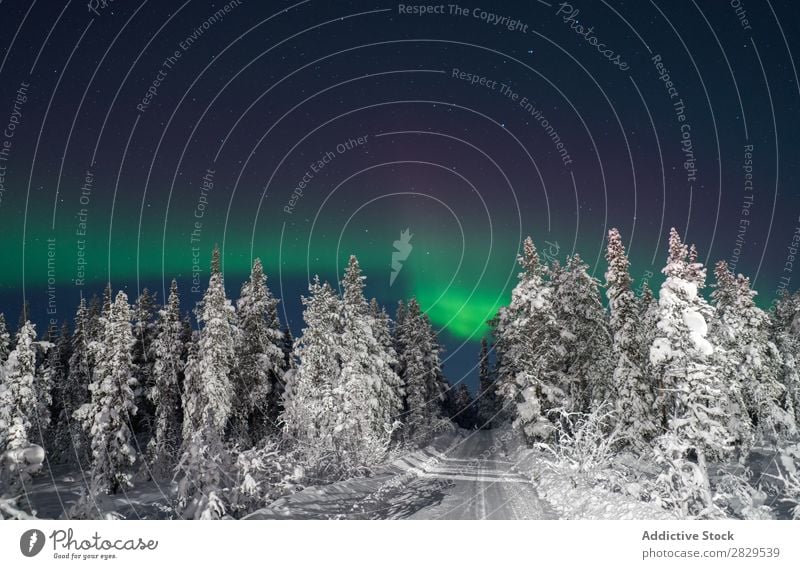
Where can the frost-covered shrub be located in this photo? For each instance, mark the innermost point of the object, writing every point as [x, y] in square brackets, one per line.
[202, 476]
[261, 475]
[787, 479]
[682, 484]
[584, 443]
[734, 494]
[17, 466]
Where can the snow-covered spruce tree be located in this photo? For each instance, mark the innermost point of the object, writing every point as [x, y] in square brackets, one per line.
[786, 335]
[262, 362]
[55, 374]
[64, 405]
[692, 394]
[648, 313]
[74, 438]
[751, 361]
[421, 370]
[192, 395]
[632, 393]
[488, 409]
[527, 346]
[22, 398]
[203, 457]
[201, 470]
[165, 396]
[108, 416]
[461, 407]
[42, 431]
[391, 397]
[288, 355]
[371, 388]
[312, 400]
[144, 332]
[208, 402]
[5, 340]
[216, 349]
[583, 341]
[94, 313]
[24, 316]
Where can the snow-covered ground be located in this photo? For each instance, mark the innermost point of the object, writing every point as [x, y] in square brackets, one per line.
[460, 475]
[463, 475]
[574, 497]
[54, 495]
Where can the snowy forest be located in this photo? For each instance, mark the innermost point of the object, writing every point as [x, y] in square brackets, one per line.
[685, 399]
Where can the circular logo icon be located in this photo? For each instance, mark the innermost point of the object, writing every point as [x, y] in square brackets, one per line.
[31, 542]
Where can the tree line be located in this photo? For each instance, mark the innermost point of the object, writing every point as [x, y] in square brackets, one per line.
[680, 379]
[683, 378]
[136, 385]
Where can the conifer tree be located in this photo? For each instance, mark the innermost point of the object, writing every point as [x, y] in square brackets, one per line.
[289, 362]
[462, 408]
[582, 337]
[94, 325]
[168, 351]
[144, 332]
[421, 372]
[786, 334]
[262, 361]
[216, 355]
[390, 398]
[632, 392]
[527, 350]
[370, 385]
[488, 409]
[81, 370]
[5, 340]
[207, 401]
[752, 360]
[21, 401]
[64, 400]
[24, 317]
[691, 392]
[108, 418]
[313, 395]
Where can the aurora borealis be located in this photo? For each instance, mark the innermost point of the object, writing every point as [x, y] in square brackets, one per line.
[136, 135]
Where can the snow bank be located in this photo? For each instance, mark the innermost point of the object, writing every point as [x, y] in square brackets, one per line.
[575, 498]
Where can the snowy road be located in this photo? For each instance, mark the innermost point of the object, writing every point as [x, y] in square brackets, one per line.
[480, 484]
[464, 475]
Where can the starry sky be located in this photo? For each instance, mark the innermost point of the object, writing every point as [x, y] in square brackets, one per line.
[136, 135]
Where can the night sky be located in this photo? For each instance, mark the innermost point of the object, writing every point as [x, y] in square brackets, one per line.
[136, 135]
